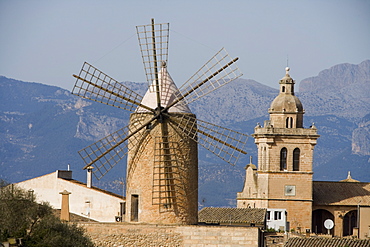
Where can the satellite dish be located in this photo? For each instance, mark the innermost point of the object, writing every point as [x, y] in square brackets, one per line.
[329, 224]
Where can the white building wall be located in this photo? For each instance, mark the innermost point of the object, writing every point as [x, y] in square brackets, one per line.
[102, 207]
[276, 223]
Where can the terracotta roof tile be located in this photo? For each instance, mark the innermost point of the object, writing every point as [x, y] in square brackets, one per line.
[327, 242]
[232, 215]
[341, 193]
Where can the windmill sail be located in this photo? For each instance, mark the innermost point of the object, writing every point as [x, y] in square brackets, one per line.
[225, 143]
[153, 41]
[217, 72]
[108, 151]
[94, 85]
[168, 184]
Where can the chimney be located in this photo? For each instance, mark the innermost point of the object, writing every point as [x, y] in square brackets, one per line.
[64, 174]
[64, 212]
[89, 176]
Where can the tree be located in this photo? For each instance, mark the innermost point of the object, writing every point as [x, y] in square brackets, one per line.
[22, 217]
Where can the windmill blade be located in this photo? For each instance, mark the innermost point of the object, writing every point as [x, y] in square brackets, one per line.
[217, 72]
[168, 185]
[108, 151]
[225, 143]
[153, 41]
[93, 84]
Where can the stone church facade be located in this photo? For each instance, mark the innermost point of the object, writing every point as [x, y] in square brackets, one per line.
[283, 178]
[285, 153]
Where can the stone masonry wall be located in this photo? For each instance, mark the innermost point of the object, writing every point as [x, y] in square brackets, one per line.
[121, 234]
[162, 174]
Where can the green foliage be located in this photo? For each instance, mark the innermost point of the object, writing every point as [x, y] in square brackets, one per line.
[52, 232]
[270, 230]
[22, 217]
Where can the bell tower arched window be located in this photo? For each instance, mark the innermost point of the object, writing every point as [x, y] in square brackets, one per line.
[296, 156]
[283, 159]
[289, 122]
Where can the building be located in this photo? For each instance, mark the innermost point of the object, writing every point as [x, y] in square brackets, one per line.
[276, 219]
[284, 176]
[346, 203]
[162, 162]
[63, 192]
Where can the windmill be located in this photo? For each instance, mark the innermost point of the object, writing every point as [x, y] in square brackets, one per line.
[161, 139]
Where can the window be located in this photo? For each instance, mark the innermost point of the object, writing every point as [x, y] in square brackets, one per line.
[277, 215]
[268, 215]
[283, 156]
[289, 122]
[296, 154]
[283, 89]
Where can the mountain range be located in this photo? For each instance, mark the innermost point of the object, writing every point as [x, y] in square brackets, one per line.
[42, 127]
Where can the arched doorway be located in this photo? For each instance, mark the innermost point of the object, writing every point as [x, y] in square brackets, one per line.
[349, 222]
[318, 218]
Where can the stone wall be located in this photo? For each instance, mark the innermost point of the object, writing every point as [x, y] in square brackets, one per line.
[162, 174]
[121, 234]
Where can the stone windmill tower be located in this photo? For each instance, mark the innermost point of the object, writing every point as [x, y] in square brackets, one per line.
[161, 139]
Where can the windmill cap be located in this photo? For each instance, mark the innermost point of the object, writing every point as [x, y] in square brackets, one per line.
[168, 94]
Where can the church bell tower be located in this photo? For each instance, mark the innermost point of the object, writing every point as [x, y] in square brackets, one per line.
[283, 179]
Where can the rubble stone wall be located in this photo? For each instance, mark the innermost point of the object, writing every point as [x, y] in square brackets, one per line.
[121, 234]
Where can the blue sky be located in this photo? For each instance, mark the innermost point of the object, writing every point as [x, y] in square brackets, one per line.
[47, 41]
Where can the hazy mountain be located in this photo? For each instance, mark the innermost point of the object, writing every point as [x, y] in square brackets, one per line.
[361, 137]
[343, 90]
[42, 128]
[238, 101]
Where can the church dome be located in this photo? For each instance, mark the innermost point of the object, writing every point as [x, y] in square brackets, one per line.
[286, 101]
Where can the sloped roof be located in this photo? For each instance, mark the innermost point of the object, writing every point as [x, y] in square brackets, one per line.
[327, 242]
[349, 178]
[94, 188]
[232, 215]
[341, 193]
[168, 94]
[76, 182]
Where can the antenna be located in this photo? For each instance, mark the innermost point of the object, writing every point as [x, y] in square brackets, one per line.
[287, 60]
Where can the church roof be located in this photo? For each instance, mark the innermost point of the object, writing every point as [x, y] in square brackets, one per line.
[168, 94]
[341, 193]
[232, 215]
[327, 242]
[349, 178]
[286, 101]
